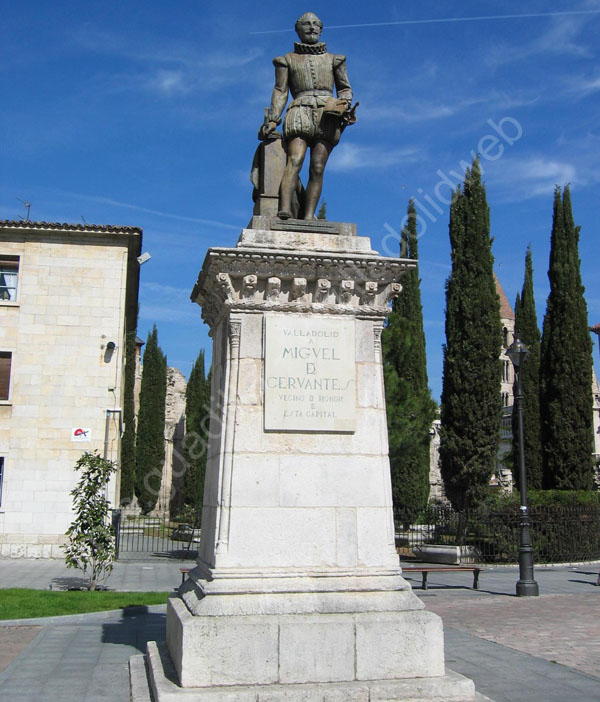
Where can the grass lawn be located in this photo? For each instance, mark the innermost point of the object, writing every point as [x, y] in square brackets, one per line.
[20, 603]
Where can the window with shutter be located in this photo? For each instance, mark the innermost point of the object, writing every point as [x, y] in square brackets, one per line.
[9, 276]
[5, 363]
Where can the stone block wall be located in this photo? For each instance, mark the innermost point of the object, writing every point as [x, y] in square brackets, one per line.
[70, 304]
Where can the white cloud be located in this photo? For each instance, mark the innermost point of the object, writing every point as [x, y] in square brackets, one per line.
[146, 49]
[350, 157]
[525, 97]
[583, 86]
[526, 178]
[175, 70]
[540, 168]
[416, 110]
[168, 82]
[158, 213]
[562, 38]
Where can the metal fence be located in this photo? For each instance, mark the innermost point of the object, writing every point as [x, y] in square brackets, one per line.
[560, 533]
[140, 537]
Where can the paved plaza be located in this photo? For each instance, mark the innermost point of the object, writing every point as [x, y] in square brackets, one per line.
[544, 649]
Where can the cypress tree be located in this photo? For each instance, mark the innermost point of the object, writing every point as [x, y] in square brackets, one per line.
[197, 417]
[566, 362]
[526, 328]
[471, 401]
[410, 408]
[150, 440]
[128, 439]
[322, 213]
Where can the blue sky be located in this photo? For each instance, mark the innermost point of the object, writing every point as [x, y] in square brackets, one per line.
[146, 113]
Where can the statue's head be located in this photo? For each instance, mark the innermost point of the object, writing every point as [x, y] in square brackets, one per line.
[309, 28]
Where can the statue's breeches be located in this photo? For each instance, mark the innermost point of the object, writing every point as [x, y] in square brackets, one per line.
[305, 118]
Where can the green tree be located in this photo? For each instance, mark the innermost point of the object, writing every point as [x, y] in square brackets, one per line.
[90, 539]
[197, 418]
[128, 439]
[150, 440]
[410, 408]
[322, 213]
[471, 401]
[526, 327]
[566, 361]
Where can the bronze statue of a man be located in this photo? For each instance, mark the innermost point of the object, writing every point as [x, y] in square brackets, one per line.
[315, 118]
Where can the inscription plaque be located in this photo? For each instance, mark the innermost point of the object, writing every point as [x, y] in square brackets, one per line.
[310, 373]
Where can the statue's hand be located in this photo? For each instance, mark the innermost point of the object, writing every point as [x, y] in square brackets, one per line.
[266, 130]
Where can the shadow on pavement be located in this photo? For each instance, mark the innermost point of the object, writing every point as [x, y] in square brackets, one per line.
[584, 582]
[442, 587]
[67, 583]
[143, 556]
[136, 628]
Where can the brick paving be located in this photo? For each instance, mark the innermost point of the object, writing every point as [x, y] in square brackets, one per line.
[13, 640]
[559, 628]
[539, 649]
[84, 659]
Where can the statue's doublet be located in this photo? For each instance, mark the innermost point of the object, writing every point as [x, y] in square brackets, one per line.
[311, 73]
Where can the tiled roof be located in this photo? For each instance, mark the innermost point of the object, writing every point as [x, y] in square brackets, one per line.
[26, 224]
[506, 311]
[595, 329]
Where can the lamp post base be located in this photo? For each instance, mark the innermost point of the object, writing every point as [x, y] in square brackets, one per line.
[526, 584]
[527, 588]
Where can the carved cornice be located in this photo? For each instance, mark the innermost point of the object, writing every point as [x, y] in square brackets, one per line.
[320, 283]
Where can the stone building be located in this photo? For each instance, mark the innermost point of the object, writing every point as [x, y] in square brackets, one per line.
[502, 477]
[173, 466]
[68, 293]
[436, 484]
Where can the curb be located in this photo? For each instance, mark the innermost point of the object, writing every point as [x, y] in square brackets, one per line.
[85, 617]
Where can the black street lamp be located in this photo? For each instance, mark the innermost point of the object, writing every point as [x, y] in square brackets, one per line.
[526, 585]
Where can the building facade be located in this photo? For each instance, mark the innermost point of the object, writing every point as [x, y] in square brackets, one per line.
[169, 498]
[503, 477]
[68, 295]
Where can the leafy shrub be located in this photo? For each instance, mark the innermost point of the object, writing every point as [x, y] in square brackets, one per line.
[91, 541]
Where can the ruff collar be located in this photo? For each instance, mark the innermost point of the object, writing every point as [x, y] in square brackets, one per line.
[301, 48]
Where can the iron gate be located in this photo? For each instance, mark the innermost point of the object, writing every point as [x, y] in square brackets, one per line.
[139, 537]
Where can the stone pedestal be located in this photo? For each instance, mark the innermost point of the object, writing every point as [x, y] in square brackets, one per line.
[298, 593]
[267, 170]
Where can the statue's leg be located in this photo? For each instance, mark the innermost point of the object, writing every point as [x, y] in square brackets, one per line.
[319, 153]
[296, 150]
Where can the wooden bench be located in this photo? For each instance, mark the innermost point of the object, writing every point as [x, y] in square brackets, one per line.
[425, 570]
